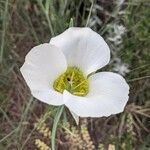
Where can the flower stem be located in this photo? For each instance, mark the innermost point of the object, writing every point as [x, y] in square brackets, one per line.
[55, 124]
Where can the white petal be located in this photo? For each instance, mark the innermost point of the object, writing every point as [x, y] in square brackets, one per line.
[43, 64]
[83, 48]
[108, 95]
[48, 96]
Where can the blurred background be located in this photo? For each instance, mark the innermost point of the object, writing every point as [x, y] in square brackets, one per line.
[25, 123]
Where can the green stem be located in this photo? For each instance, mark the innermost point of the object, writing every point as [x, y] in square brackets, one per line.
[49, 24]
[46, 12]
[90, 12]
[55, 124]
[3, 31]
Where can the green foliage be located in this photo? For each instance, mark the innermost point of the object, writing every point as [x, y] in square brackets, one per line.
[136, 40]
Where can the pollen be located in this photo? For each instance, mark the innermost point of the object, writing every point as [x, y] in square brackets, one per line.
[72, 80]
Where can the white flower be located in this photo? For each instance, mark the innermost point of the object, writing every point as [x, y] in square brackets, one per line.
[57, 73]
[115, 36]
[121, 68]
[120, 2]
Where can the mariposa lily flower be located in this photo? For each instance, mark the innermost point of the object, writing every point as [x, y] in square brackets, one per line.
[63, 72]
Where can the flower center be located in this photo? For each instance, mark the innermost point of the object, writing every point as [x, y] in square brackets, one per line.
[74, 81]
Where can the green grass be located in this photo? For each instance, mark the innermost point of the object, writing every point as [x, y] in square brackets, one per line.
[26, 23]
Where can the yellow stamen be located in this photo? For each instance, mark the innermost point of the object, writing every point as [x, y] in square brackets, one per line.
[73, 80]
